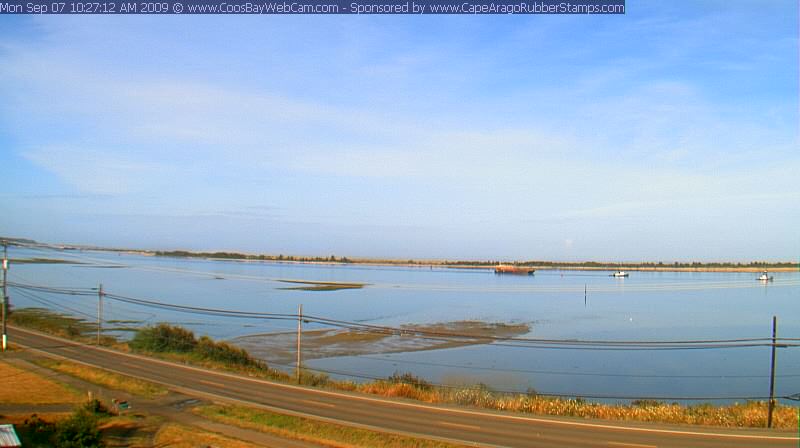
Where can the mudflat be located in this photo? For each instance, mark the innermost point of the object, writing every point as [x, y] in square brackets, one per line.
[280, 348]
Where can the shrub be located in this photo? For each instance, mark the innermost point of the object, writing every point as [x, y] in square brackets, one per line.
[410, 379]
[80, 430]
[206, 348]
[94, 407]
[314, 379]
[646, 403]
[37, 432]
[164, 338]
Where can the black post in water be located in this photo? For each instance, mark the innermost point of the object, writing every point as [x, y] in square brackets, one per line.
[772, 373]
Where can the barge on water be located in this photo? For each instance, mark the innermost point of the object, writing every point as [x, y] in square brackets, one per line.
[518, 270]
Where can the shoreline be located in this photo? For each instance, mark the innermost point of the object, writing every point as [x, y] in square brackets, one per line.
[448, 265]
[429, 265]
[240, 257]
[644, 268]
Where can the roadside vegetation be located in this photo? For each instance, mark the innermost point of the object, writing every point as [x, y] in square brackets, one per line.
[105, 378]
[91, 424]
[30, 388]
[749, 414]
[179, 436]
[169, 340]
[49, 322]
[314, 431]
[180, 345]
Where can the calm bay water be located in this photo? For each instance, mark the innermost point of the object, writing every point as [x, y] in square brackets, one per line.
[645, 306]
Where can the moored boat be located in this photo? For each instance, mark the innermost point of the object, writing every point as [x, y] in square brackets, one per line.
[764, 277]
[619, 274]
[508, 269]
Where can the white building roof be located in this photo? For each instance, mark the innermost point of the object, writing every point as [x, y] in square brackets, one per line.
[8, 437]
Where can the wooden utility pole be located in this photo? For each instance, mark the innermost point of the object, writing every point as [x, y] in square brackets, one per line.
[99, 312]
[299, 334]
[5, 293]
[772, 373]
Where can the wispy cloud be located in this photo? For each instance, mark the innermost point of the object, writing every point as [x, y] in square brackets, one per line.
[95, 171]
[426, 129]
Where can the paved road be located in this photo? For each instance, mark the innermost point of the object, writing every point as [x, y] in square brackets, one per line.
[460, 425]
[173, 407]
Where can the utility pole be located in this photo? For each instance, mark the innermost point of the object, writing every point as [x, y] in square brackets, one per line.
[772, 373]
[99, 312]
[5, 293]
[299, 333]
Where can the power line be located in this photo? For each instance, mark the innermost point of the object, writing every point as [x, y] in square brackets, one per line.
[567, 373]
[592, 396]
[56, 290]
[439, 335]
[43, 301]
[542, 394]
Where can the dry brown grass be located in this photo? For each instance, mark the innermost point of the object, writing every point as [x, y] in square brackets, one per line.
[30, 388]
[750, 414]
[314, 431]
[106, 378]
[19, 419]
[178, 436]
[134, 431]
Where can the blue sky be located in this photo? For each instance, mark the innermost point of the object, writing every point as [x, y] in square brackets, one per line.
[670, 133]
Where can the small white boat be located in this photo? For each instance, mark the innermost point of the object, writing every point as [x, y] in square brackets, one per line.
[619, 274]
[764, 277]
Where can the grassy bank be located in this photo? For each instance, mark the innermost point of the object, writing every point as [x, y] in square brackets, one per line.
[181, 345]
[50, 322]
[750, 414]
[179, 436]
[105, 378]
[30, 388]
[91, 424]
[311, 430]
[178, 344]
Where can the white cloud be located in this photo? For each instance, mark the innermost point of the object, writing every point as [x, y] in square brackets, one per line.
[96, 171]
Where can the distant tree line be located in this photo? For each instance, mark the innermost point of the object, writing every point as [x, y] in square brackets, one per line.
[644, 264]
[530, 263]
[240, 256]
